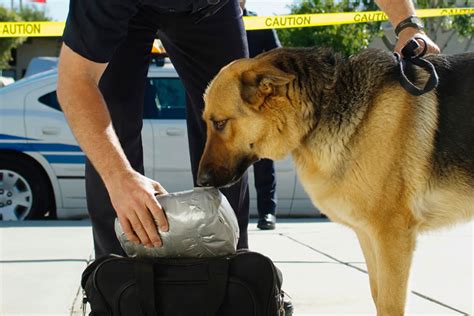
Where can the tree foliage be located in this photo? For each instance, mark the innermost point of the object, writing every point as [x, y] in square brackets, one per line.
[351, 38]
[348, 38]
[31, 13]
[27, 13]
[461, 25]
[6, 44]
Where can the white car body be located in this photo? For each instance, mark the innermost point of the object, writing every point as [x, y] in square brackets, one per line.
[40, 132]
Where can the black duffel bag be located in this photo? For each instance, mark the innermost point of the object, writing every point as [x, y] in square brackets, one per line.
[244, 284]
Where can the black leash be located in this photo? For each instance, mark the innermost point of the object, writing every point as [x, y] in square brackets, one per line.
[410, 56]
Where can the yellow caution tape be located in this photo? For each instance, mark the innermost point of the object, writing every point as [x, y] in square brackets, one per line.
[45, 29]
[322, 19]
[31, 29]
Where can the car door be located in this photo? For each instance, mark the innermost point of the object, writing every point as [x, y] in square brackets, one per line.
[53, 140]
[47, 125]
[165, 106]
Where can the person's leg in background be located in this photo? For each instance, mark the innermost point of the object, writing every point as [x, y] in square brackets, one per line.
[122, 86]
[198, 51]
[265, 185]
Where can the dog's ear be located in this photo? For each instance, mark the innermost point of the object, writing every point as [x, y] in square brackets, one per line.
[256, 85]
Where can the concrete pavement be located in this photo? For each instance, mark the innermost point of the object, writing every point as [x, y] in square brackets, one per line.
[41, 264]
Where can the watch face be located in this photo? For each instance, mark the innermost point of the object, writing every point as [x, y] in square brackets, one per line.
[418, 21]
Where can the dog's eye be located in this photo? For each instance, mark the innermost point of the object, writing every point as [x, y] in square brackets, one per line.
[219, 125]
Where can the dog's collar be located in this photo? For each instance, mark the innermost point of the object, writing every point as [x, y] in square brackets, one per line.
[410, 56]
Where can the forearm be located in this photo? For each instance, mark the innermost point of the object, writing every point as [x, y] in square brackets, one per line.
[89, 119]
[131, 194]
[396, 10]
[399, 10]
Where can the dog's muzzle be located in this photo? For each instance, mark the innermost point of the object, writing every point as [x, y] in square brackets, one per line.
[205, 178]
[212, 176]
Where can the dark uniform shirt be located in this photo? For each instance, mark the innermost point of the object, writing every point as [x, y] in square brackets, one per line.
[95, 28]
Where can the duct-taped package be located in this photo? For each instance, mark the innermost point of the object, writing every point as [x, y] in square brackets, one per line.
[201, 224]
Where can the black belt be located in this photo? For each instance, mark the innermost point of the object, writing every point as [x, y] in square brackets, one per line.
[411, 57]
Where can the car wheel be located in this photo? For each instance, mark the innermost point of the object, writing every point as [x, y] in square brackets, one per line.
[24, 190]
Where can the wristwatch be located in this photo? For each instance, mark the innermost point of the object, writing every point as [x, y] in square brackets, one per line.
[411, 21]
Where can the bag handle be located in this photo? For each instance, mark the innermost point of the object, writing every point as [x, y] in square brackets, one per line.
[144, 276]
[217, 285]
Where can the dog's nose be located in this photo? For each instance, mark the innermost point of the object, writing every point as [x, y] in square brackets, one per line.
[205, 178]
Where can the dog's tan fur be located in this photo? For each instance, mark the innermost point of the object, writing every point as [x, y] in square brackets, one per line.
[371, 170]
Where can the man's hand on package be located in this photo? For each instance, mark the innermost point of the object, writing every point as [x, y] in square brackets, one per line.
[133, 197]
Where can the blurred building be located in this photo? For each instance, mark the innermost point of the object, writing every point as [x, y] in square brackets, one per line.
[32, 47]
[43, 47]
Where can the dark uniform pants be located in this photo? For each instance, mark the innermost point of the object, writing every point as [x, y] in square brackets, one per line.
[265, 184]
[198, 51]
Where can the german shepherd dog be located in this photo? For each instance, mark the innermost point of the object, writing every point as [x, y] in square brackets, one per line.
[369, 154]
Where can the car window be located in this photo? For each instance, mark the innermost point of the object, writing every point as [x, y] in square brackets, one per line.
[164, 99]
[51, 100]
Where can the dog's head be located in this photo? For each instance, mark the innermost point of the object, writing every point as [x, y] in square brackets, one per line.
[247, 118]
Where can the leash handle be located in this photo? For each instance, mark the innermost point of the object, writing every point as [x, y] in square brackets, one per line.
[410, 56]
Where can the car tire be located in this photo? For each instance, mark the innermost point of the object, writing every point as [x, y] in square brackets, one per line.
[24, 189]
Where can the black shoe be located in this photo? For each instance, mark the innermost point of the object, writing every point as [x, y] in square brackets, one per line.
[267, 222]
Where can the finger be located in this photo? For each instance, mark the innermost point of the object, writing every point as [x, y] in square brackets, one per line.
[158, 213]
[139, 229]
[127, 229]
[149, 224]
[422, 48]
[433, 49]
[158, 188]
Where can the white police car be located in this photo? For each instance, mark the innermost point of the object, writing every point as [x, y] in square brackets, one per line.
[42, 167]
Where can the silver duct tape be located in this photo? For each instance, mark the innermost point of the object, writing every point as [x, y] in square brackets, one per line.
[201, 224]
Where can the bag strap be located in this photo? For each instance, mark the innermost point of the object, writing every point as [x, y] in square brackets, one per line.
[144, 276]
[217, 284]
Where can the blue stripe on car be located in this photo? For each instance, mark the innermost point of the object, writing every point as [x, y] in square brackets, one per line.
[51, 147]
[8, 137]
[45, 147]
[55, 147]
[71, 159]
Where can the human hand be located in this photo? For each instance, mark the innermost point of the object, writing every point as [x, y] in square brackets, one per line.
[133, 198]
[408, 33]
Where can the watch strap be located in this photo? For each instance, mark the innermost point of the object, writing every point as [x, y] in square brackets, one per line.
[411, 21]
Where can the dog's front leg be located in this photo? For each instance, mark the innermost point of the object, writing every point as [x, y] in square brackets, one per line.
[369, 255]
[394, 246]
